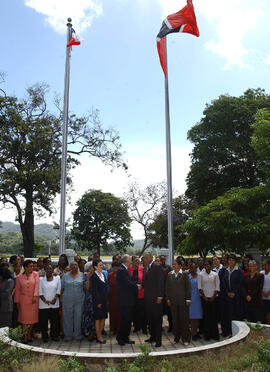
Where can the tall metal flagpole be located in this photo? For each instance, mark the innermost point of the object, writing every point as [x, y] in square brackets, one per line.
[64, 147]
[169, 166]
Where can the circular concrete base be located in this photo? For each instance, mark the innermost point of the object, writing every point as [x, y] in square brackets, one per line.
[113, 351]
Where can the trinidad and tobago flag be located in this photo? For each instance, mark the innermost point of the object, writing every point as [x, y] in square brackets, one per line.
[74, 39]
[182, 21]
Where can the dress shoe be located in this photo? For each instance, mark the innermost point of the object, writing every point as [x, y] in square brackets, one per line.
[150, 340]
[104, 332]
[121, 342]
[55, 339]
[176, 340]
[129, 342]
[103, 342]
[45, 340]
[158, 344]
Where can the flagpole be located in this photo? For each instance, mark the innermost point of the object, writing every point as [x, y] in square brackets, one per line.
[64, 147]
[169, 165]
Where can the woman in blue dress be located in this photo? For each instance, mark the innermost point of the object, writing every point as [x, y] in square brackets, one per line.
[195, 308]
[88, 321]
[72, 285]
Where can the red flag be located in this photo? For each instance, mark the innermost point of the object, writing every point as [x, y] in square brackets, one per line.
[74, 39]
[182, 21]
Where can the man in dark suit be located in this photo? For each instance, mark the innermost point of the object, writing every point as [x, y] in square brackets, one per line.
[153, 283]
[127, 292]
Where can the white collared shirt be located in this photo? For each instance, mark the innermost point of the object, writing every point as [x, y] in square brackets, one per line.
[209, 283]
[101, 276]
[217, 270]
[176, 274]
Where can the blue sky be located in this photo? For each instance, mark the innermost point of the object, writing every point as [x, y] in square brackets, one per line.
[116, 70]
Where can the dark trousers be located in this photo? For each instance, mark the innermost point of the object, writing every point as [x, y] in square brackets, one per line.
[254, 313]
[126, 315]
[230, 309]
[154, 316]
[180, 319]
[15, 323]
[51, 315]
[167, 311]
[139, 316]
[210, 324]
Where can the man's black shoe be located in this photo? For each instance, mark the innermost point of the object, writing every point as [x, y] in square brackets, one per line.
[158, 344]
[129, 342]
[150, 340]
[121, 342]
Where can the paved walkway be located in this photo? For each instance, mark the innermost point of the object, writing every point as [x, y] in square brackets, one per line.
[112, 346]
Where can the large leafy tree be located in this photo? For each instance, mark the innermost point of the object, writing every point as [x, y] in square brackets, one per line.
[233, 222]
[100, 219]
[158, 229]
[30, 154]
[260, 139]
[222, 157]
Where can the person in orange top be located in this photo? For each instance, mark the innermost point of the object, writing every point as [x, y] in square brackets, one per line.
[26, 297]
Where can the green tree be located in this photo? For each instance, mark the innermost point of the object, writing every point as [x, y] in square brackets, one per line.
[260, 139]
[100, 219]
[30, 154]
[233, 222]
[158, 230]
[222, 157]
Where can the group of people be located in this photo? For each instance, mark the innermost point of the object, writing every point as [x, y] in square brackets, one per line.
[196, 295]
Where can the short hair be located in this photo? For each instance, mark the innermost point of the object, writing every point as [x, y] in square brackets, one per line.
[65, 257]
[87, 266]
[96, 262]
[115, 264]
[26, 263]
[252, 262]
[5, 273]
[13, 259]
[267, 261]
[232, 256]
[81, 261]
[45, 260]
[208, 261]
[125, 258]
[180, 257]
[49, 264]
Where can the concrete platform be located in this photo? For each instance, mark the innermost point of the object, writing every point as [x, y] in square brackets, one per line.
[111, 350]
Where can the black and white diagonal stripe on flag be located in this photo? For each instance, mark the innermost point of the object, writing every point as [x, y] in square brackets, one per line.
[182, 21]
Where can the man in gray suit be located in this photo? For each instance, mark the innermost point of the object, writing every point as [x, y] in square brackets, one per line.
[153, 283]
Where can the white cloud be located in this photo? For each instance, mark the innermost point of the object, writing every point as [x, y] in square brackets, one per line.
[56, 12]
[233, 20]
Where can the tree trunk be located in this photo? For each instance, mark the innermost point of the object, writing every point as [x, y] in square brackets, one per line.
[27, 227]
[145, 246]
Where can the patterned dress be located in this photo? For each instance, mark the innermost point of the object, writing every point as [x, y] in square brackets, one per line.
[88, 322]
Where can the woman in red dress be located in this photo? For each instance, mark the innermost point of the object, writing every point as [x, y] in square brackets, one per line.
[113, 309]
